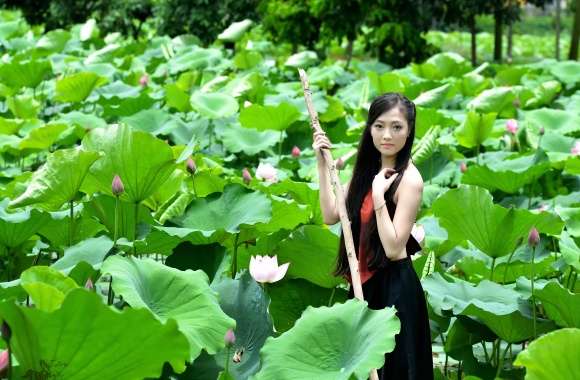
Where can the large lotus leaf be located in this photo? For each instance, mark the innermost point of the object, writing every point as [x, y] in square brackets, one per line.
[493, 229]
[177, 98]
[442, 65]
[57, 230]
[248, 140]
[344, 341]
[228, 211]
[571, 216]
[42, 137]
[142, 174]
[497, 306]
[429, 117]
[17, 227]
[169, 293]
[23, 106]
[570, 251]
[214, 105]
[497, 100]
[53, 41]
[77, 87]
[311, 251]
[154, 121]
[235, 31]
[276, 118]
[197, 59]
[508, 175]
[386, 82]
[291, 298]
[86, 339]
[476, 269]
[59, 179]
[433, 98]
[47, 287]
[83, 120]
[562, 306]
[562, 122]
[475, 129]
[245, 301]
[566, 71]
[472, 84]
[25, 74]
[553, 356]
[91, 251]
[544, 94]
[302, 60]
[557, 147]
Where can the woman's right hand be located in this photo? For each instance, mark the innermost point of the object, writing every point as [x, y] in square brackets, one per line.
[320, 142]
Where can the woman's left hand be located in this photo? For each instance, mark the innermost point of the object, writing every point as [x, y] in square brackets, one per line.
[383, 181]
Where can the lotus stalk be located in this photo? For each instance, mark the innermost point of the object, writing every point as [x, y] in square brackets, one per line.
[533, 241]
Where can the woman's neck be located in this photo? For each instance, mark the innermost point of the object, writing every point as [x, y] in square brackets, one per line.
[388, 161]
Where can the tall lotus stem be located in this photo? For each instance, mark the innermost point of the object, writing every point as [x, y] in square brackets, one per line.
[235, 258]
[533, 240]
[117, 188]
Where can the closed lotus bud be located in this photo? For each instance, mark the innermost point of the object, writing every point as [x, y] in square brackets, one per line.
[89, 284]
[246, 176]
[542, 131]
[144, 80]
[533, 237]
[6, 332]
[190, 166]
[463, 167]
[339, 164]
[230, 338]
[117, 187]
[295, 151]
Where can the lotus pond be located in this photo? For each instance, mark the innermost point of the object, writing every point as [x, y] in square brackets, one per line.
[145, 188]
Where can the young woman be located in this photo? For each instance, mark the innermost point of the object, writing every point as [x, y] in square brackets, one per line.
[382, 200]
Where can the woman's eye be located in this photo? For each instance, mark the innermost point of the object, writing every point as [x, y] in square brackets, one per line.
[397, 127]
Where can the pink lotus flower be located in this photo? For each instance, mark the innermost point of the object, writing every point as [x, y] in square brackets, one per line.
[117, 187]
[533, 237]
[230, 338]
[418, 232]
[144, 80]
[190, 166]
[3, 360]
[295, 151]
[463, 167]
[576, 148]
[246, 176]
[267, 172]
[266, 269]
[511, 126]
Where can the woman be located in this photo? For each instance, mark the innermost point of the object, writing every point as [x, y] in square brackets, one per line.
[382, 200]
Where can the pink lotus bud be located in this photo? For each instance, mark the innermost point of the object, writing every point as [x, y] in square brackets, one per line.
[3, 361]
[89, 284]
[266, 269]
[267, 172]
[247, 177]
[190, 166]
[295, 151]
[117, 187]
[6, 332]
[463, 167]
[230, 338]
[339, 163]
[511, 126]
[144, 80]
[576, 148]
[542, 131]
[533, 237]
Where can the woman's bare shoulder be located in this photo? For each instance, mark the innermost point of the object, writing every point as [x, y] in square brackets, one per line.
[412, 177]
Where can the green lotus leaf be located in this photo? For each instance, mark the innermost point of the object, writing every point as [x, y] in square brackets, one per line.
[26, 73]
[214, 105]
[123, 149]
[429, 117]
[77, 87]
[493, 229]
[235, 31]
[47, 287]
[552, 120]
[475, 129]
[290, 298]
[560, 304]
[59, 180]
[57, 230]
[472, 84]
[508, 175]
[154, 121]
[91, 251]
[433, 98]
[276, 118]
[557, 148]
[566, 71]
[169, 293]
[53, 41]
[386, 82]
[248, 140]
[195, 59]
[497, 306]
[571, 216]
[442, 65]
[544, 94]
[227, 211]
[23, 106]
[325, 76]
[17, 227]
[553, 356]
[570, 251]
[82, 120]
[497, 100]
[344, 341]
[42, 137]
[303, 59]
[63, 345]
[177, 98]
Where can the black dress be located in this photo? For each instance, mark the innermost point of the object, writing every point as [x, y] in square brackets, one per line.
[398, 285]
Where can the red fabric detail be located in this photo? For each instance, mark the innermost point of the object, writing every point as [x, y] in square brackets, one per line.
[366, 213]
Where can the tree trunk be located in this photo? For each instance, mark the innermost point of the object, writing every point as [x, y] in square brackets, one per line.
[497, 48]
[349, 52]
[558, 17]
[473, 32]
[575, 33]
[510, 42]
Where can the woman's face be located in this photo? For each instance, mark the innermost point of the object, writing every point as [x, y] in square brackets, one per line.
[390, 131]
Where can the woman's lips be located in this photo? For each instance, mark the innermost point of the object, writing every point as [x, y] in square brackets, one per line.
[387, 145]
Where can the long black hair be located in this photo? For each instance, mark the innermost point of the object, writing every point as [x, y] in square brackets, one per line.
[368, 164]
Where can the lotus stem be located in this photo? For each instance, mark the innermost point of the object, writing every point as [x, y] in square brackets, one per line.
[533, 296]
[492, 268]
[235, 258]
[485, 351]
[193, 185]
[501, 357]
[116, 227]
[71, 224]
[507, 264]
[331, 297]
[227, 364]
[135, 229]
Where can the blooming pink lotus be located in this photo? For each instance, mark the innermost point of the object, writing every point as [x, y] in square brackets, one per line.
[267, 172]
[266, 269]
[511, 126]
[576, 148]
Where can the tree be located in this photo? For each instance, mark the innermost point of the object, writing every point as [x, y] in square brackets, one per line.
[575, 33]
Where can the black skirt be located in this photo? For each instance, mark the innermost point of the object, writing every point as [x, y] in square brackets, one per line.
[398, 285]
